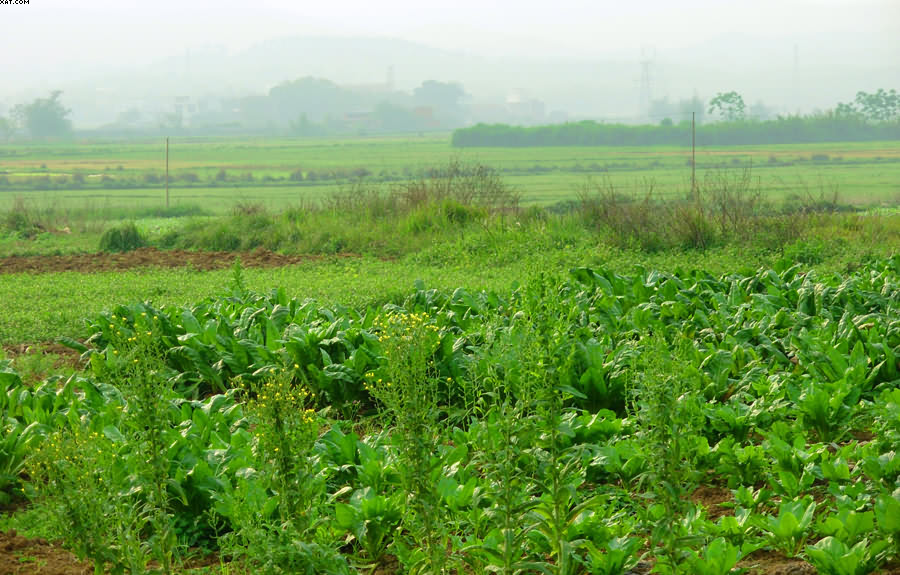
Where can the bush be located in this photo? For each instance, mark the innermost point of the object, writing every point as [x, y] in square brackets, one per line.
[809, 252]
[121, 238]
[21, 220]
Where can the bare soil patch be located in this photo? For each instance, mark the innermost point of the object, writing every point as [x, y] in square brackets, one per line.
[711, 498]
[765, 562]
[63, 356]
[21, 556]
[149, 258]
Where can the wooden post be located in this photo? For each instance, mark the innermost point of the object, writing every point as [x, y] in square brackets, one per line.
[167, 172]
[693, 156]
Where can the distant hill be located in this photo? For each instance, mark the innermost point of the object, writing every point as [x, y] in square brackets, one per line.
[597, 88]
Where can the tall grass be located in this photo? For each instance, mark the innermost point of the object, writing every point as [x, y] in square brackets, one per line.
[468, 208]
[27, 218]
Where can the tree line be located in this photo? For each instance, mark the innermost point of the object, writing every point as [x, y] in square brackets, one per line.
[869, 117]
[303, 107]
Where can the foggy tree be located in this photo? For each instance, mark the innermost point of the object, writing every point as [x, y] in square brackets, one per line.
[728, 105]
[394, 118]
[880, 106]
[443, 97]
[316, 97]
[304, 127]
[845, 110]
[6, 129]
[44, 117]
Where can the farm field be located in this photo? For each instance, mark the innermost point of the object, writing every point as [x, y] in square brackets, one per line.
[431, 382]
[595, 423]
[112, 177]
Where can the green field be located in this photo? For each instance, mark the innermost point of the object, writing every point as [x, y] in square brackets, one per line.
[445, 384]
[113, 175]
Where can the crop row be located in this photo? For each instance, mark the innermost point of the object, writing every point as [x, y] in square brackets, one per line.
[563, 427]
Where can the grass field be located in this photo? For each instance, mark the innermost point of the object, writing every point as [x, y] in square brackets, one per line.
[113, 176]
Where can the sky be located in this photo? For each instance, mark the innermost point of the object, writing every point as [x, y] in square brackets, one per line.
[140, 29]
[49, 41]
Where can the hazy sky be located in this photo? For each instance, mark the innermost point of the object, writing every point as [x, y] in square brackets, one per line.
[50, 43]
[49, 33]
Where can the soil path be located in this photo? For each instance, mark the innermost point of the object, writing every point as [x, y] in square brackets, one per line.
[149, 257]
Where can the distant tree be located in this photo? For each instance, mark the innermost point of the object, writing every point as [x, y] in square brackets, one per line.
[6, 129]
[728, 105]
[44, 117]
[881, 106]
[443, 97]
[845, 110]
[302, 126]
[392, 118]
[317, 98]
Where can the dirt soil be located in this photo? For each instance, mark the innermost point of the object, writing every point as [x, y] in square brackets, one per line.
[764, 562]
[63, 356]
[149, 258]
[711, 497]
[21, 556]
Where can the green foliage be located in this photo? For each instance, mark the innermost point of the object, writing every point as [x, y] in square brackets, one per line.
[122, 238]
[789, 129]
[728, 105]
[789, 529]
[372, 519]
[615, 557]
[832, 557]
[44, 117]
[719, 558]
[559, 427]
[880, 106]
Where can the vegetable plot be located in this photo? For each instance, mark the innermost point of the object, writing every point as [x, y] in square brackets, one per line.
[561, 427]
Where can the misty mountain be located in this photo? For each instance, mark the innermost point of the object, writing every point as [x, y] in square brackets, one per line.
[759, 68]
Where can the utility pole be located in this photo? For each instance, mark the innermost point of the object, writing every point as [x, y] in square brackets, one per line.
[693, 154]
[167, 172]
